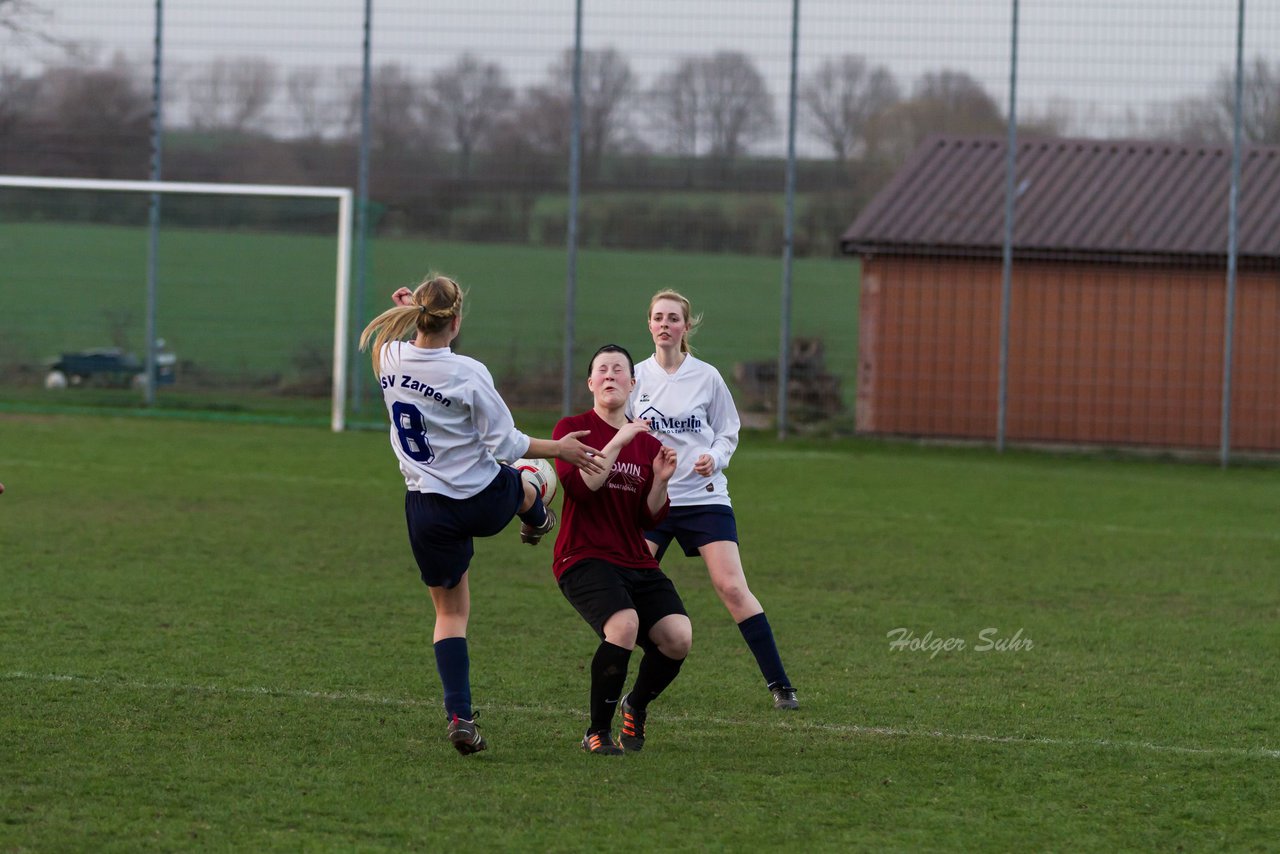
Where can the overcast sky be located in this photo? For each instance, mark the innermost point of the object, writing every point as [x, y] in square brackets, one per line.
[1113, 54]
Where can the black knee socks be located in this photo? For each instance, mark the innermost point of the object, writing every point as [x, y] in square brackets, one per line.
[656, 673]
[608, 675]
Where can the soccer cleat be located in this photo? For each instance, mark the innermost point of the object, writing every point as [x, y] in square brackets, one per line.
[632, 726]
[601, 744]
[533, 535]
[784, 697]
[465, 737]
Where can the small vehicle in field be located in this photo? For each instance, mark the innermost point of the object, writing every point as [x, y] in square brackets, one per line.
[109, 366]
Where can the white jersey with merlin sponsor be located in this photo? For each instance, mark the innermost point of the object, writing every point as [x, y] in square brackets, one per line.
[692, 411]
[449, 427]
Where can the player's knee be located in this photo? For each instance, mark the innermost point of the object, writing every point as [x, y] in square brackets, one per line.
[453, 611]
[678, 648]
[622, 628]
[676, 638]
[733, 592]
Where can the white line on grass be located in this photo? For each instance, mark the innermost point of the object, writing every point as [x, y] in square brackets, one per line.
[792, 721]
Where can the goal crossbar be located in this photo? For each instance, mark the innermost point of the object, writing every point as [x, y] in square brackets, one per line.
[342, 278]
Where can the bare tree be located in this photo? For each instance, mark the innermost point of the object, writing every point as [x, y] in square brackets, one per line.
[20, 143]
[1194, 120]
[396, 105]
[1053, 117]
[941, 102]
[94, 121]
[735, 102]
[469, 98]
[674, 100]
[348, 85]
[404, 147]
[528, 145]
[608, 86]
[1260, 105]
[318, 99]
[1210, 119]
[25, 20]
[15, 14]
[541, 123]
[842, 98]
[19, 95]
[233, 94]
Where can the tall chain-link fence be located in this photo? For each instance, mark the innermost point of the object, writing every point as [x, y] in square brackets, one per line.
[1102, 281]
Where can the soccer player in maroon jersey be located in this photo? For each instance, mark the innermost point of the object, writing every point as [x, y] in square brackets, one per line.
[603, 563]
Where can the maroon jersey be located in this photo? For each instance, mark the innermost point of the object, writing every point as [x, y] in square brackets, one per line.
[609, 523]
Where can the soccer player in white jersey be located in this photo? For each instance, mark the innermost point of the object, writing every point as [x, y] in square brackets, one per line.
[449, 428]
[689, 405]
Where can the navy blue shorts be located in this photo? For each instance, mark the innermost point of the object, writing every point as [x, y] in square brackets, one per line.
[441, 528]
[599, 589]
[694, 527]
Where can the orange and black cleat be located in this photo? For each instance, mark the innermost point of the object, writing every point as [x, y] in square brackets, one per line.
[601, 744]
[632, 726]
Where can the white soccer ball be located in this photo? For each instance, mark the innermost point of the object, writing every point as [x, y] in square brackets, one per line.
[55, 379]
[542, 474]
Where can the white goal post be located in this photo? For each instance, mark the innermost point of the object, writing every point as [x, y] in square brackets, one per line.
[343, 195]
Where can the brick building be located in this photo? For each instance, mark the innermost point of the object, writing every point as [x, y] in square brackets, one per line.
[1118, 294]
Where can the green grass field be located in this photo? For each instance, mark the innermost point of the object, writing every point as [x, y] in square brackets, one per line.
[211, 638]
[259, 307]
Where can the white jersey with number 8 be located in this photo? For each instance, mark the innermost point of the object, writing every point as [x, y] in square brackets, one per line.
[449, 426]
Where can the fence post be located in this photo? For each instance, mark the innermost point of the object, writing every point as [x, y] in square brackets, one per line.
[788, 228]
[153, 209]
[1006, 262]
[575, 158]
[362, 196]
[1229, 322]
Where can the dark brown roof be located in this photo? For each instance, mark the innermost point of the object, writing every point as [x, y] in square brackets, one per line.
[1076, 197]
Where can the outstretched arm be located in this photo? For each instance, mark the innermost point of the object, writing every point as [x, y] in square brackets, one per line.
[570, 449]
[609, 453]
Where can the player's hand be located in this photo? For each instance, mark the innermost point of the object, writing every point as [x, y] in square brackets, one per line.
[629, 431]
[704, 465]
[664, 464]
[576, 454]
[402, 296]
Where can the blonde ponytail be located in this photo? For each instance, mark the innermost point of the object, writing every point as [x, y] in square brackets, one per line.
[436, 302]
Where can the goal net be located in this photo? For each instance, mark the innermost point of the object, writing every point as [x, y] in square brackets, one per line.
[248, 297]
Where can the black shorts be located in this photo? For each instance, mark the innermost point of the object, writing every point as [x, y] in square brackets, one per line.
[441, 528]
[694, 527]
[599, 589]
